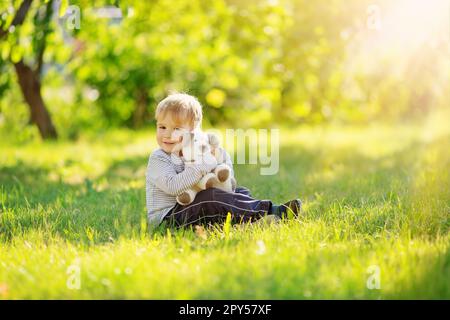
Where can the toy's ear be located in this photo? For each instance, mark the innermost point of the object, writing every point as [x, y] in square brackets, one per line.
[213, 140]
[191, 136]
[188, 137]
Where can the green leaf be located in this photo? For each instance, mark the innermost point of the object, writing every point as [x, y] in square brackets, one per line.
[16, 54]
[227, 225]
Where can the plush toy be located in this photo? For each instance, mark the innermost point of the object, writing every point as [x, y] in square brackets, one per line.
[199, 147]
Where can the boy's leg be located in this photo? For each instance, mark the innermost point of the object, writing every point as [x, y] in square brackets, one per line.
[212, 205]
[243, 190]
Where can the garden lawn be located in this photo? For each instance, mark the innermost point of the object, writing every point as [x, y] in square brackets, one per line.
[376, 207]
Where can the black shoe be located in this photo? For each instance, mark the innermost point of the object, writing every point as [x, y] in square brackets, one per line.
[291, 209]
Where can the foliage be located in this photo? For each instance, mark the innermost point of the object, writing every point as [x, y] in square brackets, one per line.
[251, 63]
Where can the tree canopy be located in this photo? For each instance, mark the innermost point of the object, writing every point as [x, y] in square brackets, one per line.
[68, 66]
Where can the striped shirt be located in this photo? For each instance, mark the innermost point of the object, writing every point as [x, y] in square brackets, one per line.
[166, 177]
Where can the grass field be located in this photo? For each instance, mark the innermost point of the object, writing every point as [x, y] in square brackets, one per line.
[376, 198]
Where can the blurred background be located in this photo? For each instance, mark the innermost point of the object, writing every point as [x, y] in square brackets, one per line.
[74, 67]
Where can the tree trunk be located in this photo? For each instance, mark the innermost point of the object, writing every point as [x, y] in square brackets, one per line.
[140, 112]
[31, 90]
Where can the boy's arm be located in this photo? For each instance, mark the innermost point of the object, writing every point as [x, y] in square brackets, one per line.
[162, 173]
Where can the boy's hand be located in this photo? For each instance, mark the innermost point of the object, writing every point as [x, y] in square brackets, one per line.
[180, 141]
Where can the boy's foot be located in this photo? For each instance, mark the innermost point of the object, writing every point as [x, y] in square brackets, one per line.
[291, 209]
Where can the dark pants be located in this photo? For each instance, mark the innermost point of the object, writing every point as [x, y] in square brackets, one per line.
[212, 206]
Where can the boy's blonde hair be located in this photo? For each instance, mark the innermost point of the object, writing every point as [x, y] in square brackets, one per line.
[183, 107]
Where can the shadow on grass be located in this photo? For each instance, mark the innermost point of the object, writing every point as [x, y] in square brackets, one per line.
[95, 211]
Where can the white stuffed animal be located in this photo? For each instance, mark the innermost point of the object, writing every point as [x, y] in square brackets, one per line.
[198, 147]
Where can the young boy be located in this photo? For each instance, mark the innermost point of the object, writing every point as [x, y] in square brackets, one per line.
[167, 176]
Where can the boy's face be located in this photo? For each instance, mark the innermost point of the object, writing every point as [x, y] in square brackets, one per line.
[165, 127]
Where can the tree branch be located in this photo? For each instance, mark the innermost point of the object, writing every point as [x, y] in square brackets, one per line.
[46, 30]
[18, 18]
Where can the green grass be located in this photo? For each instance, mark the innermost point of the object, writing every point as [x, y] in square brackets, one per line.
[373, 196]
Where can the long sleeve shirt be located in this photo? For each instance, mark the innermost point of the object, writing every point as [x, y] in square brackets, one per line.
[166, 177]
